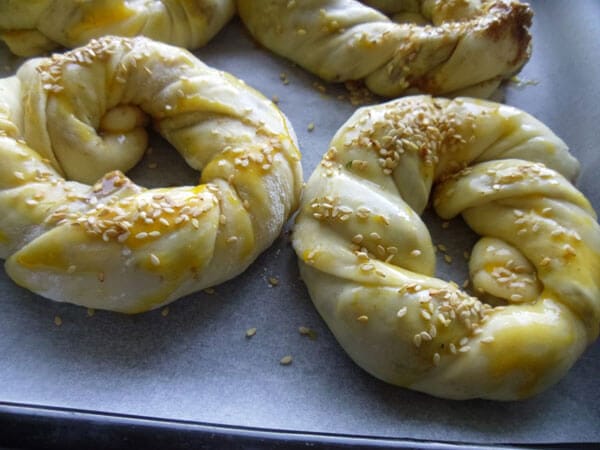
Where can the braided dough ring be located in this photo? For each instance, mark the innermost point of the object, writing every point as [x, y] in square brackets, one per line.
[368, 260]
[34, 27]
[114, 245]
[472, 46]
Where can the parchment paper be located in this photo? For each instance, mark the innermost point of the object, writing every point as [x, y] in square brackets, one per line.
[195, 362]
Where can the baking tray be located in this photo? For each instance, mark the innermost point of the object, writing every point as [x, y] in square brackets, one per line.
[189, 377]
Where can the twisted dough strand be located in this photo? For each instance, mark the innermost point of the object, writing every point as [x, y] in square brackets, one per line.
[109, 243]
[368, 261]
[33, 27]
[469, 47]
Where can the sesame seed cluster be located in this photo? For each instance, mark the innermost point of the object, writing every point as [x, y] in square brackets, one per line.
[369, 261]
[81, 231]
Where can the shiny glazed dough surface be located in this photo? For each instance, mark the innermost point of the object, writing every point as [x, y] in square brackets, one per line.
[369, 263]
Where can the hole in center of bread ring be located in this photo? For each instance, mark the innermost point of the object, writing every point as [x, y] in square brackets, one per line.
[76, 229]
[368, 259]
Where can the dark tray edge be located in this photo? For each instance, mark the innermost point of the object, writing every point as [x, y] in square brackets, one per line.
[36, 426]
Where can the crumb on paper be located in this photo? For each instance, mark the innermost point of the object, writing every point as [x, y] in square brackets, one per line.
[209, 291]
[91, 312]
[320, 87]
[521, 82]
[308, 332]
[165, 311]
[273, 281]
[286, 360]
[311, 126]
[58, 321]
[284, 78]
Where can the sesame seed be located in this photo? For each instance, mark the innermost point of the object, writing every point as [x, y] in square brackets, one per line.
[367, 267]
[250, 332]
[415, 252]
[425, 336]
[545, 261]
[433, 331]
[311, 126]
[436, 359]
[154, 259]
[304, 331]
[487, 339]
[123, 236]
[273, 281]
[71, 269]
[141, 235]
[165, 311]
[402, 312]
[464, 349]
[417, 339]
[286, 360]
[357, 239]
[57, 321]
[91, 312]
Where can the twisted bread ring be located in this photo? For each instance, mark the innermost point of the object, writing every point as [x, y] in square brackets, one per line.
[33, 27]
[115, 245]
[368, 261]
[472, 46]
